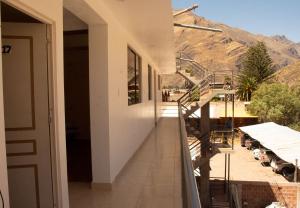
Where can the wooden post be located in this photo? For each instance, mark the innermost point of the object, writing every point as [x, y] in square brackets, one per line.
[232, 124]
[296, 172]
[225, 175]
[214, 80]
[225, 139]
[228, 175]
[225, 97]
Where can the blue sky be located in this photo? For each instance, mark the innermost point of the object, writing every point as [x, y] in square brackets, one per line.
[268, 17]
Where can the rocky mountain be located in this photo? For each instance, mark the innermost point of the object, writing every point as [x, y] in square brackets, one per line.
[218, 51]
[224, 51]
[289, 75]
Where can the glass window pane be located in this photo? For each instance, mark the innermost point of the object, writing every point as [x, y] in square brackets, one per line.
[138, 79]
[159, 82]
[131, 77]
[131, 66]
[134, 78]
[149, 82]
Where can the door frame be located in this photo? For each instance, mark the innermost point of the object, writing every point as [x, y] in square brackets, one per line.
[51, 115]
[66, 49]
[52, 112]
[155, 97]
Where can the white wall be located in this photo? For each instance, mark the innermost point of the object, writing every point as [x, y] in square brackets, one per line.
[126, 126]
[71, 22]
[99, 106]
[129, 125]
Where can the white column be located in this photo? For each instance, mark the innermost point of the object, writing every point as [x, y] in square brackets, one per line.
[99, 108]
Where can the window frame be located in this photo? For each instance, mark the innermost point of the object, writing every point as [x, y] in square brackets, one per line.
[158, 82]
[137, 77]
[150, 97]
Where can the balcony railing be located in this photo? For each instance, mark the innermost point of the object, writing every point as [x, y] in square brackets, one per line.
[190, 192]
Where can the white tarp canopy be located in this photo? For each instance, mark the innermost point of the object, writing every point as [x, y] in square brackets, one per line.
[281, 140]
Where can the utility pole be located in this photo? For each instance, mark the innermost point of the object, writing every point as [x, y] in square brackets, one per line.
[196, 27]
[195, 6]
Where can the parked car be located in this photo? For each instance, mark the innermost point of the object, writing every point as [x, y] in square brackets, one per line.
[289, 172]
[275, 205]
[266, 156]
[256, 153]
[286, 169]
[251, 144]
[244, 137]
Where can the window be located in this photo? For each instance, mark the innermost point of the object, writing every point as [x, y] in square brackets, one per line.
[159, 82]
[134, 78]
[149, 82]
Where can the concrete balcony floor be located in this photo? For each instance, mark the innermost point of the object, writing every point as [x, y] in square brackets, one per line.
[151, 179]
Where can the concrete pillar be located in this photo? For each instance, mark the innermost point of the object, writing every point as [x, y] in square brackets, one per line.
[205, 166]
[99, 108]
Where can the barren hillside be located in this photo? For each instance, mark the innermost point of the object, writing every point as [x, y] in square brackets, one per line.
[217, 51]
[289, 75]
[224, 51]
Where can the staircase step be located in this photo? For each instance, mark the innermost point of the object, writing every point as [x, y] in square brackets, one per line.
[196, 132]
[220, 204]
[194, 107]
[192, 128]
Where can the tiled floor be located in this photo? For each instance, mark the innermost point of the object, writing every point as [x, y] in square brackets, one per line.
[152, 178]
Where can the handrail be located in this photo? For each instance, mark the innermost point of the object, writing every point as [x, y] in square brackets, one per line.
[188, 58]
[202, 86]
[185, 94]
[190, 192]
[200, 70]
[183, 57]
[187, 109]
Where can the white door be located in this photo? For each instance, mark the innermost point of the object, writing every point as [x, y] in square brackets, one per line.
[26, 115]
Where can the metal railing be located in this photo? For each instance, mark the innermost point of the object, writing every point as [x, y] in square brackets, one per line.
[190, 194]
[235, 201]
[217, 78]
[184, 62]
[206, 84]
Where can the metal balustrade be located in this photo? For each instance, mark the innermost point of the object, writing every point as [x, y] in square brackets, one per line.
[190, 193]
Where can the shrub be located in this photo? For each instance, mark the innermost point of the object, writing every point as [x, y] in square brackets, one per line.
[278, 103]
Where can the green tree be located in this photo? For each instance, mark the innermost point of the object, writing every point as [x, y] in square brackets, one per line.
[278, 103]
[257, 66]
[246, 86]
